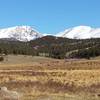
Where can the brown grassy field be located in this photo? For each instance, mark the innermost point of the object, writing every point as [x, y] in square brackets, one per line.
[40, 78]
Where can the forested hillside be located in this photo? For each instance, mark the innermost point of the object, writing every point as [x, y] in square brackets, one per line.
[55, 47]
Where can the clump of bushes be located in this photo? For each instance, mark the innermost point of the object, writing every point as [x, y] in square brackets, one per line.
[1, 58]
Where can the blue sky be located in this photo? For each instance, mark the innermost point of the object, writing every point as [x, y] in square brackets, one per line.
[49, 16]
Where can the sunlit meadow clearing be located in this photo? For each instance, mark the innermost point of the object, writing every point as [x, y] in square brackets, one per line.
[44, 78]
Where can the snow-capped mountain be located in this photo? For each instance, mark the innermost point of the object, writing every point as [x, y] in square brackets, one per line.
[27, 33]
[80, 32]
[20, 33]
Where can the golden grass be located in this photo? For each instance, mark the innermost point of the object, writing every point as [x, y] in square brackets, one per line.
[50, 77]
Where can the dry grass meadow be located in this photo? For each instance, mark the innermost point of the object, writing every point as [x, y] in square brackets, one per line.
[40, 78]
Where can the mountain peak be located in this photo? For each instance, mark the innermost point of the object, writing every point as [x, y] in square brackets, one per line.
[82, 27]
[21, 33]
[80, 32]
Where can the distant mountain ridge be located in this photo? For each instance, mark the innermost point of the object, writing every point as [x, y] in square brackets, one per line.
[27, 33]
[80, 32]
[20, 33]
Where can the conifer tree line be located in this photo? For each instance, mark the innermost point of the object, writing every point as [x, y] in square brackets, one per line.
[54, 47]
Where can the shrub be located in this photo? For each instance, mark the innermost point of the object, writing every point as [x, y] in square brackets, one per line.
[1, 58]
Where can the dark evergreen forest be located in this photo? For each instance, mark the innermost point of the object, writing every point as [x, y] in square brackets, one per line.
[55, 47]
